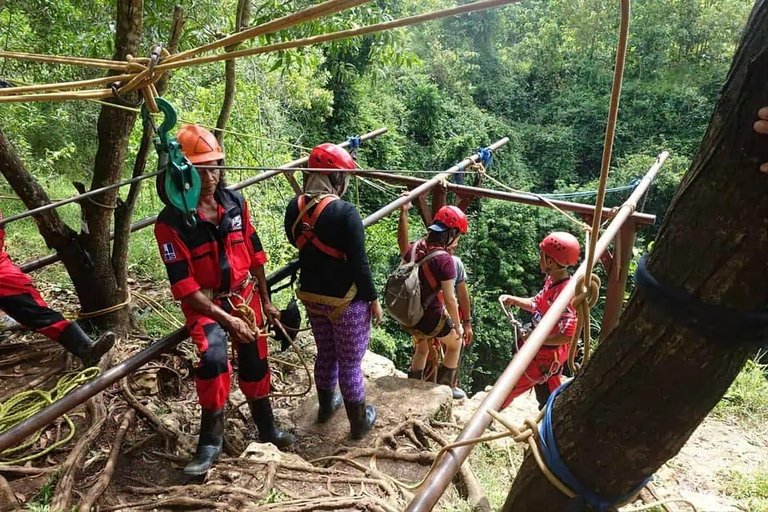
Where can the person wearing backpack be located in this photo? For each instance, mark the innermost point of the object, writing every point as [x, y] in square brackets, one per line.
[557, 252]
[420, 295]
[460, 286]
[335, 285]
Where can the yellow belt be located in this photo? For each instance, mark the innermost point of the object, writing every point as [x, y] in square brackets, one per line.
[338, 303]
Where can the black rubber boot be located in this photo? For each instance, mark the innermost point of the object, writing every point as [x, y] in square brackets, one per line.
[261, 410]
[416, 374]
[330, 401]
[446, 376]
[542, 394]
[361, 418]
[74, 339]
[210, 443]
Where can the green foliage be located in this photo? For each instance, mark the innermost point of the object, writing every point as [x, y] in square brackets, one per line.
[747, 398]
[750, 489]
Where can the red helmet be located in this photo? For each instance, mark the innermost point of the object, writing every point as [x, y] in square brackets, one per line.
[332, 157]
[561, 247]
[198, 144]
[452, 217]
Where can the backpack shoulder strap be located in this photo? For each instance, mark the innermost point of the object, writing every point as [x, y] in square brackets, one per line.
[431, 279]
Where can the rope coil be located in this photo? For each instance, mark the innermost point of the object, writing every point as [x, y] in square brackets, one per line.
[24, 405]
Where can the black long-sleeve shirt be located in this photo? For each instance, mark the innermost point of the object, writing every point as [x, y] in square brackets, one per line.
[340, 227]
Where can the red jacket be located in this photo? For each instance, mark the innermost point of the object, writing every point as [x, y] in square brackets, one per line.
[209, 256]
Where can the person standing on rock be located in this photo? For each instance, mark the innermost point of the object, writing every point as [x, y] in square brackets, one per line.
[21, 301]
[335, 284]
[557, 252]
[440, 312]
[214, 267]
[460, 286]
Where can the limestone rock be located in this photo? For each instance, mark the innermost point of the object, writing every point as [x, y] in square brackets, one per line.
[376, 366]
[396, 399]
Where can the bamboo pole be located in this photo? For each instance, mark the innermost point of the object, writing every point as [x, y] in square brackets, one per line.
[523, 198]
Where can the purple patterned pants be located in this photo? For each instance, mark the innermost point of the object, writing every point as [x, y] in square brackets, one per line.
[341, 345]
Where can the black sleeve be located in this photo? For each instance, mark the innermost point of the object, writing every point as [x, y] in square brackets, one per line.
[291, 212]
[357, 257]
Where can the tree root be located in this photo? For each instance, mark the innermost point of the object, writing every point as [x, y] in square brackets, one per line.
[74, 461]
[467, 484]
[202, 491]
[109, 469]
[5, 488]
[181, 502]
[169, 434]
[20, 470]
[359, 502]
[25, 356]
[423, 457]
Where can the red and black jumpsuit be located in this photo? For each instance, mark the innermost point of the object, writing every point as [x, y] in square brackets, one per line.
[22, 302]
[217, 259]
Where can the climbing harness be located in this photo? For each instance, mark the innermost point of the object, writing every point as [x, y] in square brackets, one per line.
[179, 184]
[306, 224]
[719, 324]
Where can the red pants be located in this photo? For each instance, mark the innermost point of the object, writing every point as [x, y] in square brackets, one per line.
[212, 375]
[22, 302]
[545, 368]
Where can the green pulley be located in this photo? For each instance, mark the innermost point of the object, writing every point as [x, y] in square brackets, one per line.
[181, 180]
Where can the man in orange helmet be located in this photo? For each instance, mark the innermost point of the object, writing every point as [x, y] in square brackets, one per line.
[557, 252]
[213, 268]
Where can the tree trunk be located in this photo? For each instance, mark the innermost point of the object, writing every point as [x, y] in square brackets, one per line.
[653, 381]
[242, 20]
[114, 129]
[124, 211]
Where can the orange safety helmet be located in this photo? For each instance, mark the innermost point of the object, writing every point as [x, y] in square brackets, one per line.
[198, 144]
[332, 157]
[562, 247]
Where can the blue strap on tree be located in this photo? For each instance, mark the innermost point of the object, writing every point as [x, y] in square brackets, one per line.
[719, 324]
[181, 183]
[585, 498]
[354, 145]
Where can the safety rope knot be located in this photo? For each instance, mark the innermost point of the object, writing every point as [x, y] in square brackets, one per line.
[144, 76]
[586, 296]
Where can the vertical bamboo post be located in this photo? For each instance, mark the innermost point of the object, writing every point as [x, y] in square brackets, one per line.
[617, 277]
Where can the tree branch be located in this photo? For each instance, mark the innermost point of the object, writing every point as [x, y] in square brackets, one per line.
[114, 129]
[124, 211]
[241, 22]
